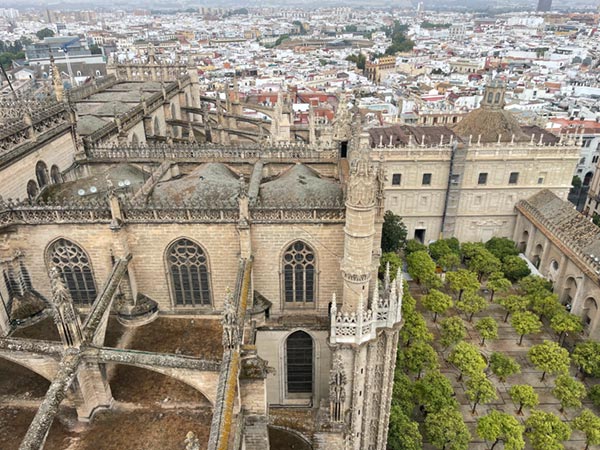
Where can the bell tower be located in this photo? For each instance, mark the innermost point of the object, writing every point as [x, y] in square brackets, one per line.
[493, 95]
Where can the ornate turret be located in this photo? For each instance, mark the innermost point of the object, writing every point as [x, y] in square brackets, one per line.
[361, 210]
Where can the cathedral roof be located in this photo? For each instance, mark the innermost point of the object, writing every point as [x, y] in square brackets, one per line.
[300, 186]
[211, 183]
[490, 124]
[96, 185]
[88, 124]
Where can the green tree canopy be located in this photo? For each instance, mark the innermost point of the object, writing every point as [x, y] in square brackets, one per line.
[463, 281]
[469, 249]
[587, 356]
[589, 424]
[393, 233]
[394, 261]
[450, 261]
[412, 245]
[533, 284]
[525, 322]
[513, 304]
[44, 33]
[545, 305]
[434, 392]
[414, 329]
[484, 263]
[443, 247]
[418, 357]
[503, 366]
[501, 247]
[446, 429]
[498, 427]
[471, 303]
[420, 266]
[594, 395]
[546, 431]
[403, 432]
[515, 268]
[467, 359]
[564, 322]
[549, 357]
[569, 392]
[403, 393]
[480, 390]
[452, 331]
[523, 395]
[487, 328]
[497, 283]
[437, 302]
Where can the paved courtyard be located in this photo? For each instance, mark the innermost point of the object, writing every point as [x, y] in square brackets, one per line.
[506, 343]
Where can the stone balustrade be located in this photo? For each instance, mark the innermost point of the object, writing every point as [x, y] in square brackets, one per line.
[361, 326]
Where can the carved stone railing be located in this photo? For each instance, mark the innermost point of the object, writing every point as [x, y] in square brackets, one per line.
[300, 214]
[209, 152]
[179, 214]
[87, 90]
[52, 118]
[361, 326]
[25, 213]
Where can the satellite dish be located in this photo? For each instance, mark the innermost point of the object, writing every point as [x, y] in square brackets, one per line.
[121, 183]
[81, 192]
[93, 189]
[127, 182]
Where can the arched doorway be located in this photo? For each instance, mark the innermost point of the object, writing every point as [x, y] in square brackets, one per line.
[536, 258]
[523, 242]
[299, 365]
[569, 291]
[587, 179]
[590, 312]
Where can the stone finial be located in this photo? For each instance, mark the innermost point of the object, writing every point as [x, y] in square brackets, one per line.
[229, 321]
[191, 441]
[56, 80]
[60, 293]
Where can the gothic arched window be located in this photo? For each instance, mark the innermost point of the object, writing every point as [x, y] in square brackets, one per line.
[299, 363]
[299, 274]
[188, 269]
[156, 127]
[55, 175]
[41, 173]
[74, 266]
[32, 189]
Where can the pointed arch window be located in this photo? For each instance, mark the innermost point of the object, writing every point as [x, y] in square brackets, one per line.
[299, 363]
[73, 264]
[188, 270]
[299, 264]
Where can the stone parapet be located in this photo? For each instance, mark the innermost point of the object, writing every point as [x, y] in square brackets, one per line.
[362, 326]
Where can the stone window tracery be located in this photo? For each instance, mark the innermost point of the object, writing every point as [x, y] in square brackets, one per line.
[74, 266]
[299, 274]
[188, 269]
